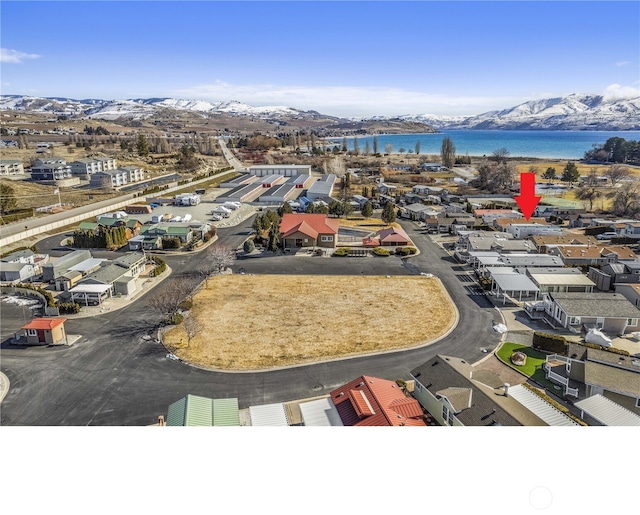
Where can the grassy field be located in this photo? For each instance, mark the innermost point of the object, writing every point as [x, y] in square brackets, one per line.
[254, 322]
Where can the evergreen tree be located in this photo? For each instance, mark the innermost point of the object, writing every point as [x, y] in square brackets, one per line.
[570, 173]
[388, 214]
[274, 239]
[142, 146]
[549, 174]
[375, 144]
[367, 209]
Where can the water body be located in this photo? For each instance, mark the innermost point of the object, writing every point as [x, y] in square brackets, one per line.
[533, 143]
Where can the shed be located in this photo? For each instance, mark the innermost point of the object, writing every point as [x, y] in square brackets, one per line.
[194, 410]
[45, 331]
[269, 415]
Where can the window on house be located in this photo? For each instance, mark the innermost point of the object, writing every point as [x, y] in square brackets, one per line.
[574, 320]
[632, 321]
[447, 415]
[418, 386]
[638, 402]
[326, 238]
[32, 332]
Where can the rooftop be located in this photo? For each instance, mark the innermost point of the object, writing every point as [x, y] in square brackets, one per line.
[44, 323]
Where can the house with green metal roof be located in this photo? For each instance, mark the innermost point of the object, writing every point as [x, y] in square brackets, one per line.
[169, 231]
[194, 410]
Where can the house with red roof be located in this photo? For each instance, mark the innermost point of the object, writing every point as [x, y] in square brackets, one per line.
[45, 331]
[371, 401]
[308, 230]
[394, 236]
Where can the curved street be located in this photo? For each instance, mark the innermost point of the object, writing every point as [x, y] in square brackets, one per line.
[117, 375]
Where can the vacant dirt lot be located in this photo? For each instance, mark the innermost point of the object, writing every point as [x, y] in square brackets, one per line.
[254, 322]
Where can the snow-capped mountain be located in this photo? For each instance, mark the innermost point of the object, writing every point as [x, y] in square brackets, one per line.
[571, 112]
[142, 108]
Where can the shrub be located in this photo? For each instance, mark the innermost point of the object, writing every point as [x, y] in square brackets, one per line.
[249, 246]
[186, 305]
[550, 343]
[379, 251]
[161, 266]
[171, 243]
[67, 308]
[175, 319]
[406, 251]
[341, 252]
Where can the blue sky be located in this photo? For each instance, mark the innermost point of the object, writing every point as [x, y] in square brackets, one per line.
[340, 58]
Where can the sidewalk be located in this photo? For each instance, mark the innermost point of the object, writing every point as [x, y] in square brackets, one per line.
[143, 285]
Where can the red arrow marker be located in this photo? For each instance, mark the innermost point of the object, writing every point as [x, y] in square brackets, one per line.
[527, 200]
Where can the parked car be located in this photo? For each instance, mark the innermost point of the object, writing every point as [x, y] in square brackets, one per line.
[606, 235]
[154, 205]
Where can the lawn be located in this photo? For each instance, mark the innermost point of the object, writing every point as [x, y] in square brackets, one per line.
[533, 366]
[250, 322]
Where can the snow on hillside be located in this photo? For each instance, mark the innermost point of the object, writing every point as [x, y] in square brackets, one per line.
[572, 112]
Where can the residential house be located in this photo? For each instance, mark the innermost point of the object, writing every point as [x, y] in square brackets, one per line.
[371, 401]
[631, 230]
[175, 230]
[501, 224]
[308, 230]
[584, 220]
[522, 231]
[612, 313]
[560, 279]
[508, 282]
[631, 292]
[585, 372]
[61, 265]
[20, 256]
[194, 410]
[418, 211]
[387, 189]
[109, 179]
[45, 331]
[612, 274]
[544, 242]
[11, 167]
[16, 272]
[50, 169]
[456, 394]
[85, 167]
[594, 255]
[134, 173]
[117, 277]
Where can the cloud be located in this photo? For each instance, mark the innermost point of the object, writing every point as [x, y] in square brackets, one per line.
[622, 63]
[7, 55]
[348, 100]
[618, 91]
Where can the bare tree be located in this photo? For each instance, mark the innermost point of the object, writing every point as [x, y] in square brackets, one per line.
[388, 148]
[192, 327]
[447, 152]
[500, 155]
[173, 294]
[627, 201]
[616, 173]
[216, 260]
[337, 166]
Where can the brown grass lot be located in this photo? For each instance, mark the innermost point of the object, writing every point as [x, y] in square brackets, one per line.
[252, 322]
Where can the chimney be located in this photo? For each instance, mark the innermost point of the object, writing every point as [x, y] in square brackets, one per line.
[506, 389]
[161, 420]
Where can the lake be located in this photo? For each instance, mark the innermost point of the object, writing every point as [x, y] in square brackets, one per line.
[540, 144]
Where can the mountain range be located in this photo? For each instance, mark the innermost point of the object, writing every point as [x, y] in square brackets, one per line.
[571, 112]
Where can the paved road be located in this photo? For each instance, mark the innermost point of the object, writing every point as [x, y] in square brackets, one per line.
[113, 376]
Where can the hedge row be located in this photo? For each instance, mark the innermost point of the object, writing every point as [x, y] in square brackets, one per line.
[550, 342]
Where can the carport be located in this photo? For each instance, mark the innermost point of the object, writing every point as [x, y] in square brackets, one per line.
[91, 293]
[513, 284]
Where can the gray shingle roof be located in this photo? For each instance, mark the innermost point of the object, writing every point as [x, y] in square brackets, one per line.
[608, 305]
[487, 407]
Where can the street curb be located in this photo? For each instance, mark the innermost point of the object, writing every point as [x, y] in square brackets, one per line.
[4, 386]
